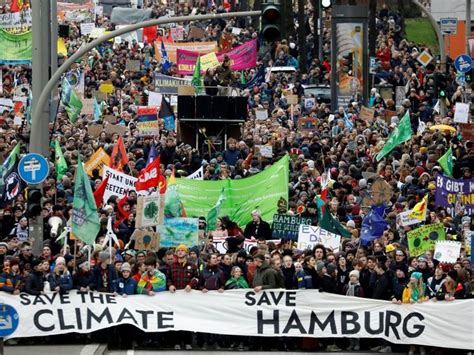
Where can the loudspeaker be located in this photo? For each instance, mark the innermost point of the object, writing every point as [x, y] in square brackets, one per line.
[238, 108]
[63, 31]
[220, 108]
[186, 107]
[203, 107]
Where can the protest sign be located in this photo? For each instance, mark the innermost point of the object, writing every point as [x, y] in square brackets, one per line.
[95, 130]
[221, 245]
[309, 236]
[265, 151]
[16, 48]
[87, 28]
[111, 119]
[307, 123]
[97, 161]
[309, 102]
[404, 220]
[261, 114]
[424, 238]
[73, 12]
[171, 48]
[154, 98]
[196, 33]
[209, 61]
[16, 19]
[148, 211]
[97, 32]
[146, 240]
[177, 33]
[449, 191]
[266, 191]
[147, 121]
[176, 231]
[461, 113]
[400, 95]
[132, 65]
[286, 226]
[269, 313]
[106, 87]
[116, 129]
[87, 106]
[118, 184]
[165, 84]
[197, 175]
[447, 251]
[366, 114]
[467, 132]
[241, 57]
[292, 99]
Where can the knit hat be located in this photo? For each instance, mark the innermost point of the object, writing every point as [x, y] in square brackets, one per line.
[417, 275]
[350, 224]
[182, 246]
[319, 266]
[242, 253]
[331, 268]
[354, 273]
[60, 260]
[84, 264]
[104, 256]
[3, 244]
[126, 267]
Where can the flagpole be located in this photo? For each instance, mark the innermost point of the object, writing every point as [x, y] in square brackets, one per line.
[75, 253]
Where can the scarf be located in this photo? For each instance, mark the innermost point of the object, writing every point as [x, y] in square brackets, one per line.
[351, 289]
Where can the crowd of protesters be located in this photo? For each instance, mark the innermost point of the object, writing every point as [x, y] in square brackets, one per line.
[382, 269]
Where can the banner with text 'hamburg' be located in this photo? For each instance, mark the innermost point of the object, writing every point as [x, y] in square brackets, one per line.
[265, 191]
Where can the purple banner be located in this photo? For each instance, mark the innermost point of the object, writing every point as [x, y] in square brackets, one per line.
[451, 192]
[241, 58]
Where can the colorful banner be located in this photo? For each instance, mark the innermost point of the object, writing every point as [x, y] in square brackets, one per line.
[165, 84]
[267, 191]
[118, 185]
[451, 191]
[16, 19]
[221, 245]
[147, 121]
[269, 313]
[97, 161]
[424, 238]
[70, 12]
[286, 226]
[16, 48]
[241, 58]
[176, 231]
[171, 48]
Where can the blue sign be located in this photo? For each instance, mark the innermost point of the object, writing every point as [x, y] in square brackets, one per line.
[33, 168]
[463, 63]
[8, 320]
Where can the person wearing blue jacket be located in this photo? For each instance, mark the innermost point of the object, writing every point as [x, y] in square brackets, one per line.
[105, 276]
[126, 285]
[60, 280]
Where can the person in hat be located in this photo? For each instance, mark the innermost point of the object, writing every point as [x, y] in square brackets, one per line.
[34, 283]
[182, 275]
[329, 281]
[354, 289]
[11, 279]
[265, 276]
[257, 228]
[83, 278]
[152, 280]
[105, 275]
[60, 280]
[126, 285]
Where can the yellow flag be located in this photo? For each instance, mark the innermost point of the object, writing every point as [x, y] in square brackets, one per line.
[62, 47]
[419, 211]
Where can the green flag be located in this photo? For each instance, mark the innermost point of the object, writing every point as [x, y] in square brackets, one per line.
[214, 212]
[329, 223]
[71, 101]
[242, 78]
[85, 220]
[446, 162]
[401, 134]
[8, 165]
[59, 161]
[197, 80]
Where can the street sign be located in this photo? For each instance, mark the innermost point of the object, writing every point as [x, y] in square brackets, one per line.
[372, 65]
[424, 58]
[449, 25]
[33, 168]
[461, 79]
[463, 63]
[8, 320]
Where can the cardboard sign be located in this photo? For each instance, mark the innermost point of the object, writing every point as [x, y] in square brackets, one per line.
[186, 90]
[307, 123]
[106, 87]
[110, 119]
[381, 191]
[196, 33]
[447, 251]
[467, 132]
[116, 129]
[366, 114]
[309, 103]
[209, 61]
[286, 226]
[177, 33]
[97, 161]
[87, 28]
[95, 130]
[265, 151]
[148, 211]
[261, 114]
[309, 236]
[292, 99]
[146, 240]
[132, 65]
[87, 107]
[118, 184]
[424, 238]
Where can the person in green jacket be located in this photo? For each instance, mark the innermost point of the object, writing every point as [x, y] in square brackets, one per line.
[237, 280]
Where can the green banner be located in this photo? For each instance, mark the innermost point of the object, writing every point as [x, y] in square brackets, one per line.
[16, 48]
[264, 191]
[424, 238]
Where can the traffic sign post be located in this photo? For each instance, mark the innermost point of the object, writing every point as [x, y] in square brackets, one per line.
[33, 169]
[463, 63]
[9, 320]
[449, 25]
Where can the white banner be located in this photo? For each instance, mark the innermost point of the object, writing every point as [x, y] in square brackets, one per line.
[118, 184]
[309, 236]
[404, 220]
[221, 245]
[197, 175]
[274, 313]
[16, 19]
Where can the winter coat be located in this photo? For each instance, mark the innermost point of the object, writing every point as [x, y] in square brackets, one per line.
[80, 279]
[126, 286]
[112, 279]
[34, 283]
[155, 282]
[64, 281]
[382, 289]
[212, 278]
[265, 276]
[289, 276]
[328, 284]
[233, 283]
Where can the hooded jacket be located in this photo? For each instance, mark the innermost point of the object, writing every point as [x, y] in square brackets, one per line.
[265, 276]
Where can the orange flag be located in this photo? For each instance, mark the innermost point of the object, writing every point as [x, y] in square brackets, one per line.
[119, 157]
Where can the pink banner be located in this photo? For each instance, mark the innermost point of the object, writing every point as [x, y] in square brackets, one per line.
[241, 57]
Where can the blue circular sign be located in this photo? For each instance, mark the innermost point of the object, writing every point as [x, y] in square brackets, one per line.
[9, 320]
[33, 168]
[463, 63]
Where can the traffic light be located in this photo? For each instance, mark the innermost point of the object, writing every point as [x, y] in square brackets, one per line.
[441, 85]
[271, 19]
[34, 202]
